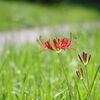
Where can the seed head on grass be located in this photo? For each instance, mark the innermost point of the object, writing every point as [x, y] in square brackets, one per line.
[79, 73]
[84, 58]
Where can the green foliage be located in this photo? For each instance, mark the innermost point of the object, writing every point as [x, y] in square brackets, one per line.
[26, 73]
[14, 15]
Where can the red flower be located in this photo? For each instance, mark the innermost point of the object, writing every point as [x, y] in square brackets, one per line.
[63, 43]
[57, 44]
[84, 58]
[47, 45]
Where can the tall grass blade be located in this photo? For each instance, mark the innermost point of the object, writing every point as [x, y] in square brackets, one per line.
[23, 87]
[95, 76]
[76, 85]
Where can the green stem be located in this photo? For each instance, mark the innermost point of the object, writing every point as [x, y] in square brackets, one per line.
[84, 85]
[76, 85]
[88, 84]
[95, 76]
[62, 67]
[86, 89]
[87, 77]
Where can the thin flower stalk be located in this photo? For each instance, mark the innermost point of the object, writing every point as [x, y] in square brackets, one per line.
[66, 78]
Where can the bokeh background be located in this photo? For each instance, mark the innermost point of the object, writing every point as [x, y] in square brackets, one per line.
[31, 13]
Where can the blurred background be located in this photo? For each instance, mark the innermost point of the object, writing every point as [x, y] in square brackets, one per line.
[15, 14]
[24, 20]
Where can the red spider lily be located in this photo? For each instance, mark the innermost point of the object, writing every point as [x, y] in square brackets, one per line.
[84, 58]
[47, 45]
[56, 44]
[63, 43]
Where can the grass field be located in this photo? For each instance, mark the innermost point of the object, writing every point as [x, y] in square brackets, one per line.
[14, 15]
[26, 73]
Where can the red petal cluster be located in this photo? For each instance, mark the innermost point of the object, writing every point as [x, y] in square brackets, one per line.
[58, 44]
[47, 45]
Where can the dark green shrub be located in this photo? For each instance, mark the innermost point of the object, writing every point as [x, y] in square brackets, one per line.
[59, 1]
[39, 1]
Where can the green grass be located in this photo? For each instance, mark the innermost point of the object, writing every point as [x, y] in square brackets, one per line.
[14, 15]
[26, 73]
